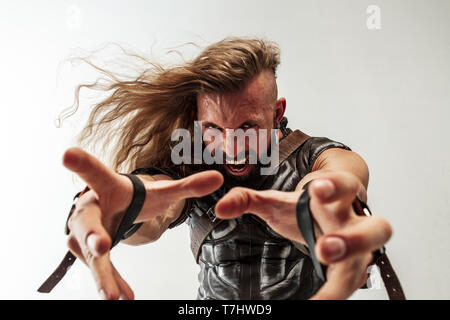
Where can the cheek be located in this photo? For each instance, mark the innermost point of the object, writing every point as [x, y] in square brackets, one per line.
[265, 145]
[209, 145]
[213, 141]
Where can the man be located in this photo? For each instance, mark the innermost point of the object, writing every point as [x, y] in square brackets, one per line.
[253, 248]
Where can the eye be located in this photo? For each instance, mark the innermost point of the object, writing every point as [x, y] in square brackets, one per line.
[247, 126]
[210, 126]
[211, 129]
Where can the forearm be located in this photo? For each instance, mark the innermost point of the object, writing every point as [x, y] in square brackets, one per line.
[336, 159]
[323, 173]
[157, 213]
[148, 232]
[166, 198]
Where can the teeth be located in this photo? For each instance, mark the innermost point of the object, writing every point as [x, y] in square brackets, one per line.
[242, 161]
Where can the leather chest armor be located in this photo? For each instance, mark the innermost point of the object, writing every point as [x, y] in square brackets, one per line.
[244, 258]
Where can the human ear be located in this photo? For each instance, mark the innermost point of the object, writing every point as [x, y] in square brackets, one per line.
[280, 108]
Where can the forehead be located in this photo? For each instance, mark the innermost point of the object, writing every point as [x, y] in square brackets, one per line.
[231, 109]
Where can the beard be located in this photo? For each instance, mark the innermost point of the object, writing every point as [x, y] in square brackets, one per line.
[250, 180]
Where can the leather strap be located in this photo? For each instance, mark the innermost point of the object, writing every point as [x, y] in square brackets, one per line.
[391, 282]
[58, 274]
[205, 225]
[306, 226]
[133, 209]
[130, 216]
[202, 228]
[287, 145]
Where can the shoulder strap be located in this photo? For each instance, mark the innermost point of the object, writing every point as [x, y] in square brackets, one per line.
[204, 225]
[291, 143]
[391, 281]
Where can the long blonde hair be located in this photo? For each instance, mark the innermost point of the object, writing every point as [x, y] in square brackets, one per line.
[139, 116]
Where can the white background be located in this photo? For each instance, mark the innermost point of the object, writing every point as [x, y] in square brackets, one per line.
[385, 93]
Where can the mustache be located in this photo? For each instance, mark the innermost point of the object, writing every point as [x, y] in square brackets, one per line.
[246, 156]
[230, 181]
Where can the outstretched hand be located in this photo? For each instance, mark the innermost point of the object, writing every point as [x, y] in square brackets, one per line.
[99, 211]
[345, 241]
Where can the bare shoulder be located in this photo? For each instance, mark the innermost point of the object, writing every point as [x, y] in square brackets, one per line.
[343, 160]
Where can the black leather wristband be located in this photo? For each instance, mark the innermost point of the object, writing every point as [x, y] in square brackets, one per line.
[133, 210]
[380, 259]
[306, 225]
[72, 209]
[130, 215]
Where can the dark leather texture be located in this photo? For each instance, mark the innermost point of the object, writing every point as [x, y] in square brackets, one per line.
[305, 223]
[244, 258]
[207, 222]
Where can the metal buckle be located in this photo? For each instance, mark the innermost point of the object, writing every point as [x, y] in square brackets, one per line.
[211, 215]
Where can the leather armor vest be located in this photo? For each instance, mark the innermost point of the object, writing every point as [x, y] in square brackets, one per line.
[244, 258]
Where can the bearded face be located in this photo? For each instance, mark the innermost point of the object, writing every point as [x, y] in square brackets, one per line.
[251, 112]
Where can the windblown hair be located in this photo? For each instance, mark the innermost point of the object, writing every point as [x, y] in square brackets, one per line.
[139, 116]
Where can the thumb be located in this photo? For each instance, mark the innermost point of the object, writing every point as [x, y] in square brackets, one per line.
[265, 204]
[196, 185]
[96, 175]
[370, 234]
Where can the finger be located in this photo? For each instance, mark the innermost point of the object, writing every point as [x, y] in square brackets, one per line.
[97, 176]
[196, 185]
[343, 280]
[336, 186]
[103, 272]
[74, 247]
[331, 199]
[126, 293]
[276, 208]
[86, 226]
[268, 204]
[368, 235]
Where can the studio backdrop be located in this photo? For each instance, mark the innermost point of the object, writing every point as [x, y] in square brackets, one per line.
[374, 75]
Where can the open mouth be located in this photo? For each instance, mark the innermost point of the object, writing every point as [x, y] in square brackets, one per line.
[238, 169]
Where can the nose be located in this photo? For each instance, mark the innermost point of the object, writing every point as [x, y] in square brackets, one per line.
[232, 145]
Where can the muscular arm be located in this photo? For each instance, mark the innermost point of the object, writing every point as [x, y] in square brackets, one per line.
[98, 212]
[345, 241]
[162, 213]
[333, 159]
[166, 199]
[337, 159]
